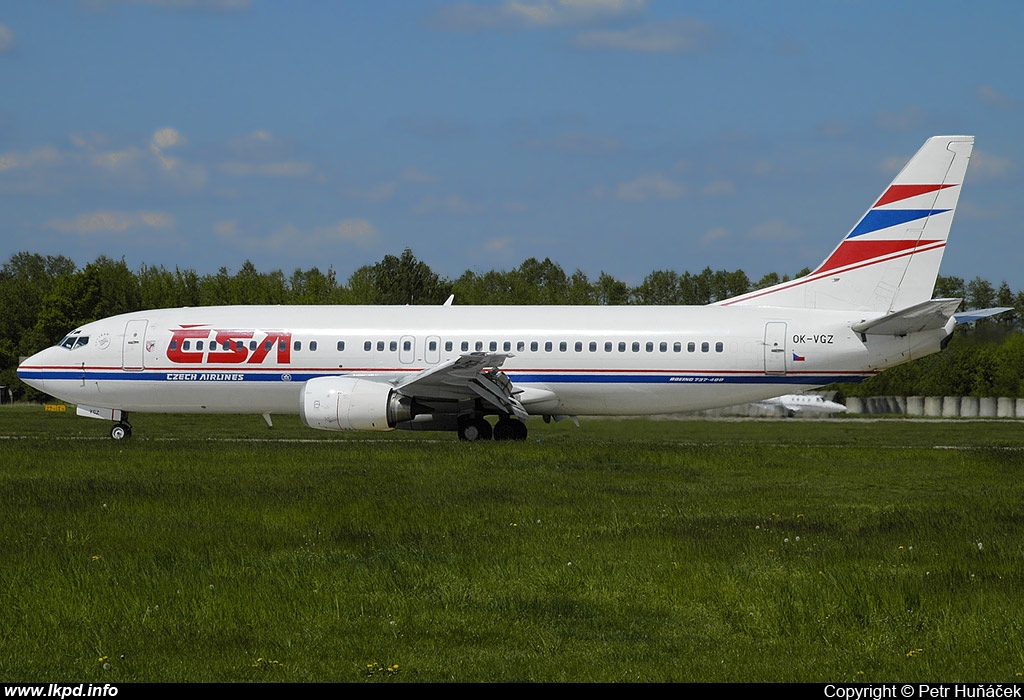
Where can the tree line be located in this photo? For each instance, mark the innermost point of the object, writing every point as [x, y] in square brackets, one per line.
[44, 297]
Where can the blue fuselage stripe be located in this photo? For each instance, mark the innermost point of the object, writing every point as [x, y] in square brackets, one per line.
[660, 377]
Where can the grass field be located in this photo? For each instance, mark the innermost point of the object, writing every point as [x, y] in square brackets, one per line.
[216, 549]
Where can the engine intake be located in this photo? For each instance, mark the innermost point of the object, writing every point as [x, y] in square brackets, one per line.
[349, 403]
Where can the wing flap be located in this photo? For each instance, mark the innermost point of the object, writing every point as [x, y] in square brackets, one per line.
[474, 375]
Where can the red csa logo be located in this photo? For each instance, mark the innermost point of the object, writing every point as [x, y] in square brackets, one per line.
[229, 346]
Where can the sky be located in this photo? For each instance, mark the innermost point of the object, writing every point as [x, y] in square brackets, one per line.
[623, 136]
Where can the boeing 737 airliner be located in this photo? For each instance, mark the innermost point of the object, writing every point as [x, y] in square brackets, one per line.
[867, 307]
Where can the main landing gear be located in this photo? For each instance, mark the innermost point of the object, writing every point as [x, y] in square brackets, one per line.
[472, 428]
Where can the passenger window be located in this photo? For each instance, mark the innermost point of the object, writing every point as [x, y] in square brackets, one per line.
[312, 346]
[705, 347]
[185, 345]
[719, 347]
[199, 345]
[380, 346]
[533, 346]
[578, 347]
[622, 346]
[650, 347]
[407, 345]
[636, 347]
[465, 345]
[677, 347]
[547, 346]
[479, 345]
[252, 346]
[506, 346]
[447, 346]
[393, 345]
[174, 345]
[608, 347]
[562, 346]
[367, 346]
[341, 346]
[663, 347]
[432, 345]
[691, 347]
[520, 346]
[297, 345]
[494, 345]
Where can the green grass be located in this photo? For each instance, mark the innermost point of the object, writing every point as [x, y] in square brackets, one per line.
[216, 549]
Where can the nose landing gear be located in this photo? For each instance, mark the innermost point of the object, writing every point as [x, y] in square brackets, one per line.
[122, 430]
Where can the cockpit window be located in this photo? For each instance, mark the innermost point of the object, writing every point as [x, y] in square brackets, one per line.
[73, 340]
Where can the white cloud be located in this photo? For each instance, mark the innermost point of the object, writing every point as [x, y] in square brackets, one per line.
[373, 194]
[114, 160]
[411, 174]
[652, 186]
[776, 230]
[164, 139]
[7, 42]
[719, 188]
[93, 162]
[988, 166]
[902, 122]
[499, 245]
[992, 97]
[576, 142]
[36, 157]
[288, 168]
[201, 5]
[717, 233]
[973, 211]
[167, 137]
[675, 36]
[261, 154]
[534, 14]
[452, 204]
[101, 222]
[559, 13]
[290, 238]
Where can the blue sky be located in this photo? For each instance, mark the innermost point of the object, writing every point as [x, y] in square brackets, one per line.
[610, 135]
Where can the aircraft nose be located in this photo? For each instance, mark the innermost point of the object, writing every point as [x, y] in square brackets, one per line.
[29, 372]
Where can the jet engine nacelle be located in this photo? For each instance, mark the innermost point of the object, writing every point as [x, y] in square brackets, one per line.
[349, 403]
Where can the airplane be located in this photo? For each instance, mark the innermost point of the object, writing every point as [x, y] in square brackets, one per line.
[805, 403]
[868, 306]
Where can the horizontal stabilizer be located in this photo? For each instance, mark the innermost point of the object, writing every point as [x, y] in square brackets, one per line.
[927, 316]
[968, 316]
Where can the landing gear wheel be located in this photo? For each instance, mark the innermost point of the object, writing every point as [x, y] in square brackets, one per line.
[121, 431]
[508, 429]
[473, 429]
[518, 430]
[504, 430]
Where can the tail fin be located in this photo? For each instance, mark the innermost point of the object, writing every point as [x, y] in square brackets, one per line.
[890, 260]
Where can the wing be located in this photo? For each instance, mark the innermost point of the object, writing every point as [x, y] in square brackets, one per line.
[474, 375]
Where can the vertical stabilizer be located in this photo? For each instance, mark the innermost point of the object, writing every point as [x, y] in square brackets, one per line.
[890, 260]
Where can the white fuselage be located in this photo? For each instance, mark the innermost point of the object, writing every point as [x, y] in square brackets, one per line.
[579, 360]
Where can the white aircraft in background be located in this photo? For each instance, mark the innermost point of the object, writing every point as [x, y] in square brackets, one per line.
[805, 403]
[867, 307]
